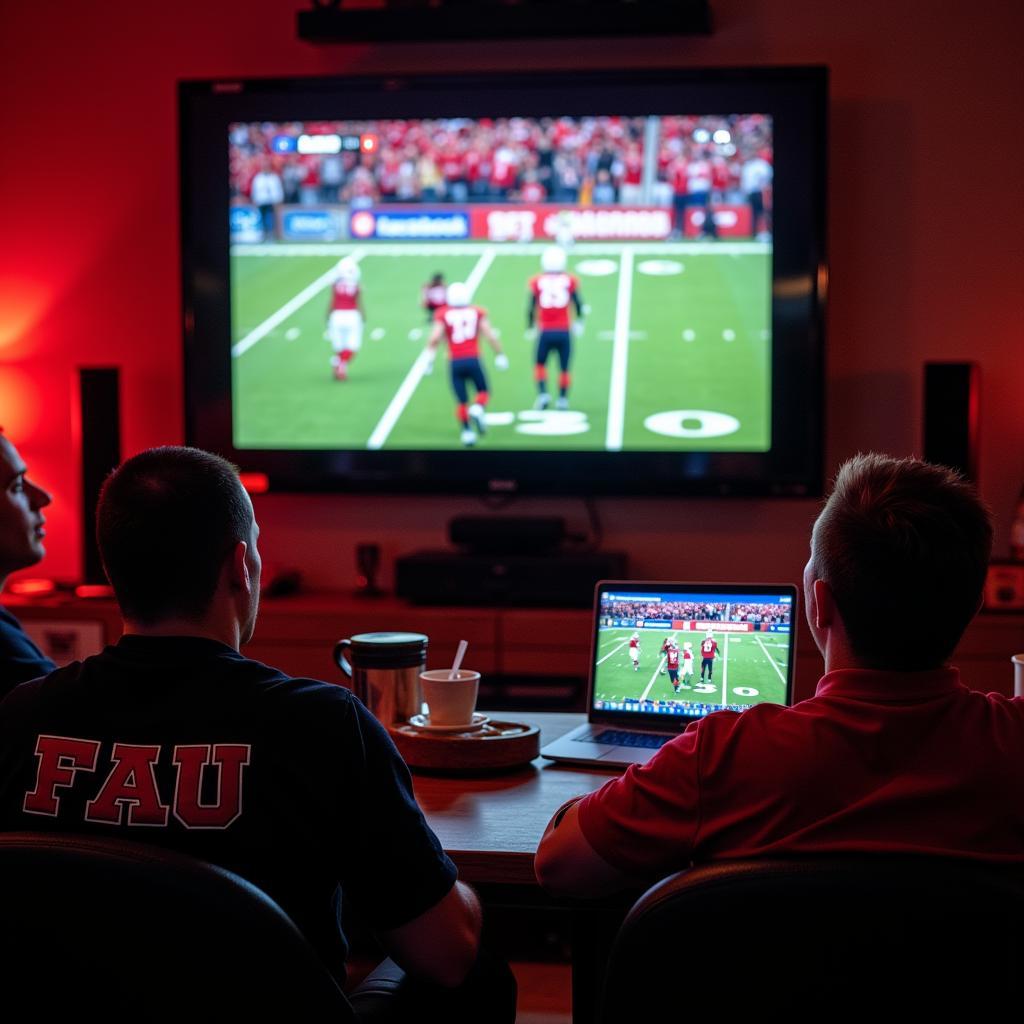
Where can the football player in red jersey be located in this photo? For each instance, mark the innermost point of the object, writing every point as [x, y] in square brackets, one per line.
[672, 661]
[634, 651]
[708, 651]
[551, 293]
[434, 295]
[462, 324]
[665, 645]
[345, 317]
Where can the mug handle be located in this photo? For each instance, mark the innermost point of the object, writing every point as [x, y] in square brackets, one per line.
[340, 659]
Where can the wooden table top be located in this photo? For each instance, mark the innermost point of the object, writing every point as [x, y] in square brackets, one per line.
[490, 826]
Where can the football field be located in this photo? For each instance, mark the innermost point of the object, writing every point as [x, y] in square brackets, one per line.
[750, 668]
[675, 354]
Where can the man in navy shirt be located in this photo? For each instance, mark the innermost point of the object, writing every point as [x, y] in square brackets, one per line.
[172, 737]
[21, 545]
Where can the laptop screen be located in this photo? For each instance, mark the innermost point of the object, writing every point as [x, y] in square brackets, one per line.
[686, 650]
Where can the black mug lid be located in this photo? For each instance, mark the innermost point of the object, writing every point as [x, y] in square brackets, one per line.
[389, 649]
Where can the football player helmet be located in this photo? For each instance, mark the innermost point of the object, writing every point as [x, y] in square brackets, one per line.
[348, 271]
[457, 294]
[552, 260]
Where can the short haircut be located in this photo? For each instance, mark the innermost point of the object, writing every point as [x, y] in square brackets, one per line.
[167, 519]
[904, 546]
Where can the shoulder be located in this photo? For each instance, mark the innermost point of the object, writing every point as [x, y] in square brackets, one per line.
[275, 685]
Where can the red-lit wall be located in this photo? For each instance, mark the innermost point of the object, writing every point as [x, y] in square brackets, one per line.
[926, 229]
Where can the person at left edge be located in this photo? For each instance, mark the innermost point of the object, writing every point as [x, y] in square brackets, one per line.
[21, 545]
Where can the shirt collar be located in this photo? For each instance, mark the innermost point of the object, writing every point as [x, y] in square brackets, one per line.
[889, 687]
[172, 648]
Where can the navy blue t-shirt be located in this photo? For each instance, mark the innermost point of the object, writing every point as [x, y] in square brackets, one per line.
[184, 743]
[20, 659]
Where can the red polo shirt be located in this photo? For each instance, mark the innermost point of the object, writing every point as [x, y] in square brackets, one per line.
[882, 762]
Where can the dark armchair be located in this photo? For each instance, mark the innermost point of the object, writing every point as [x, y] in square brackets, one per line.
[876, 938]
[104, 929]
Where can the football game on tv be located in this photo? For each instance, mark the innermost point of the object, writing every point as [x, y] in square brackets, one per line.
[691, 654]
[519, 283]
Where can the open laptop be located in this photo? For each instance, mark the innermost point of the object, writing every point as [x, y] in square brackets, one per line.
[665, 654]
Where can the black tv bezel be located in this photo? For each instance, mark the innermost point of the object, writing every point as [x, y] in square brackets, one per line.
[796, 97]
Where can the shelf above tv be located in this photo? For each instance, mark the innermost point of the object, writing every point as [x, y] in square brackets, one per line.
[453, 20]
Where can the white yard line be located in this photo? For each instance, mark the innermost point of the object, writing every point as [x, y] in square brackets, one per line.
[293, 304]
[620, 354]
[615, 651]
[412, 380]
[515, 248]
[476, 275]
[771, 659]
[661, 661]
[725, 672]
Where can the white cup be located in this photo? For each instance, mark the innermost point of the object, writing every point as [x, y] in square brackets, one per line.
[450, 701]
[1018, 675]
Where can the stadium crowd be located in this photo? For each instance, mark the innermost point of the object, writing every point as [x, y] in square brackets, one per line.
[666, 610]
[585, 161]
[773, 614]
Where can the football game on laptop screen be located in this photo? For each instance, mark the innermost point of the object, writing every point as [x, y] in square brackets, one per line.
[688, 653]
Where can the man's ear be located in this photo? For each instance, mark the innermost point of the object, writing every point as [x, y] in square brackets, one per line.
[240, 579]
[824, 605]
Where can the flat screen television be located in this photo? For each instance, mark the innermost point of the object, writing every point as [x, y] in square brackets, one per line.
[577, 283]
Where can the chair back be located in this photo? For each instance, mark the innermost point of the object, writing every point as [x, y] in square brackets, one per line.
[824, 938]
[94, 926]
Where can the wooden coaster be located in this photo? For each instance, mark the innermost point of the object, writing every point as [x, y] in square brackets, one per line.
[496, 745]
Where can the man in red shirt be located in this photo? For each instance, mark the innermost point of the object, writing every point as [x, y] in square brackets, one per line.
[893, 754]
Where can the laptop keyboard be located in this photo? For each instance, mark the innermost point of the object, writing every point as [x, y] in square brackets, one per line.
[621, 738]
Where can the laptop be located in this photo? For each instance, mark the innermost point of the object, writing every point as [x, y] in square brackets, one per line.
[666, 654]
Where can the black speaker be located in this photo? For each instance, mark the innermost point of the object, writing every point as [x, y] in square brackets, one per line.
[99, 404]
[952, 398]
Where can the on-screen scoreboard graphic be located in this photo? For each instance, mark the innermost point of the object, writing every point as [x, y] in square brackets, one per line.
[746, 661]
[670, 348]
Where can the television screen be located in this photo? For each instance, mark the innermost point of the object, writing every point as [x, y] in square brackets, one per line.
[570, 283]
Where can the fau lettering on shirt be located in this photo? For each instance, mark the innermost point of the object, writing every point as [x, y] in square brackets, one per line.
[553, 293]
[183, 743]
[345, 295]
[708, 648]
[462, 329]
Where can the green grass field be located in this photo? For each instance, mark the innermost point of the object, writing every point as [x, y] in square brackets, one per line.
[750, 668]
[673, 328]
